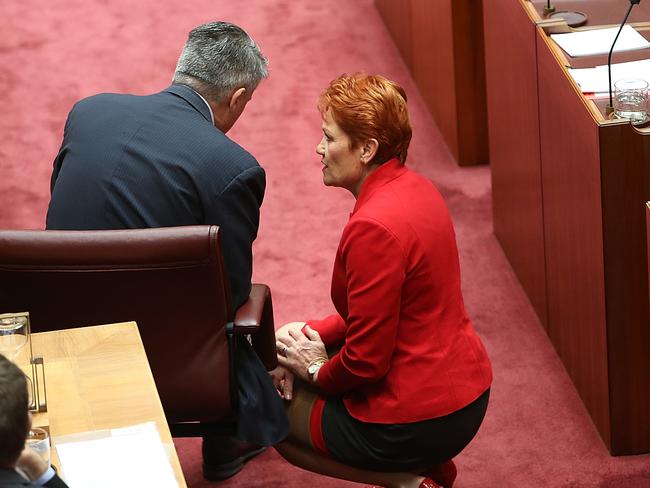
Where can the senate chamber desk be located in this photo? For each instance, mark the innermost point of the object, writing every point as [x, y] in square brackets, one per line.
[569, 190]
[98, 378]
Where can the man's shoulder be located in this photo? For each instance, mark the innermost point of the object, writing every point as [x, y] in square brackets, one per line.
[236, 154]
[106, 97]
[106, 103]
[172, 123]
[223, 162]
[11, 479]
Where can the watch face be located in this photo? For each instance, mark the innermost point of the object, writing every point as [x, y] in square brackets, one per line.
[315, 367]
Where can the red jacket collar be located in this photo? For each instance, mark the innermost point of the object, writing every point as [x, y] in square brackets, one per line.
[384, 174]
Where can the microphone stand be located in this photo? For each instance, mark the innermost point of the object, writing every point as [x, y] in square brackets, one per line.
[610, 108]
[549, 9]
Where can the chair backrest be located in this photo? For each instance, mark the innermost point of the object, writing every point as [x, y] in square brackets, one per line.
[171, 281]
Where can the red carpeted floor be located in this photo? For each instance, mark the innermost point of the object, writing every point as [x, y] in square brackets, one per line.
[537, 433]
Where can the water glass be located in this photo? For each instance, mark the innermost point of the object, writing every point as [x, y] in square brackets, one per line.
[39, 441]
[13, 335]
[631, 99]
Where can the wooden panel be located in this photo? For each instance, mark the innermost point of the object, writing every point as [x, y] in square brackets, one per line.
[647, 228]
[433, 64]
[625, 155]
[573, 235]
[442, 44]
[397, 17]
[469, 76]
[511, 80]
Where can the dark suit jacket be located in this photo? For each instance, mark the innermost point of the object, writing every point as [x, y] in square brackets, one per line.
[10, 479]
[157, 161]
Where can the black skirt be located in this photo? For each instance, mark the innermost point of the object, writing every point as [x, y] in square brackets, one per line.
[399, 447]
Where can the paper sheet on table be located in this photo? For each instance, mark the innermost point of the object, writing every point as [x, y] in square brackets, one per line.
[599, 41]
[128, 457]
[595, 80]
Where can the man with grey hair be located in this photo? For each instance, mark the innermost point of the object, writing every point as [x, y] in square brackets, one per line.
[164, 160]
[157, 161]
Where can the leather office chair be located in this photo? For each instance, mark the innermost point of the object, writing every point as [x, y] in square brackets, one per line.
[171, 281]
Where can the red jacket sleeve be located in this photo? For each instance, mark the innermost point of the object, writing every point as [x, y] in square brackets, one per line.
[331, 329]
[374, 267]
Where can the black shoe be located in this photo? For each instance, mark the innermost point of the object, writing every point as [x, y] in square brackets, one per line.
[224, 456]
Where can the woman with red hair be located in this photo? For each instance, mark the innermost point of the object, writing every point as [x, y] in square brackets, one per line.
[396, 383]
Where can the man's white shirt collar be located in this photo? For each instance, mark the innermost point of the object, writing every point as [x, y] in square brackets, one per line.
[206, 103]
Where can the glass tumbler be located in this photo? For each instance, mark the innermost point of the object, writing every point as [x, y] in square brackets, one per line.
[631, 99]
[39, 441]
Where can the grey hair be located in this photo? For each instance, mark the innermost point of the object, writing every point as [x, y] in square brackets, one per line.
[220, 57]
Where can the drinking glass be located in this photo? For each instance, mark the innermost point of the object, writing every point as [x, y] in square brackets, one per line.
[13, 336]
[39, 441]
[631, 99]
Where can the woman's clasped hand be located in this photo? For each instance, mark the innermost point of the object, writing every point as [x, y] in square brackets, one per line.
[298, 346]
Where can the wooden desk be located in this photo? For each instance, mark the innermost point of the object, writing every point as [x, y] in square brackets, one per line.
[99, 378]
[441, 41]
[569, 191]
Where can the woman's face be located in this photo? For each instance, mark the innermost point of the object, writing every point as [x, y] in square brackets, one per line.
[342, 166]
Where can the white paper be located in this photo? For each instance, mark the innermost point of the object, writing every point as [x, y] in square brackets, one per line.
[129, 457]
[596, 80]
[599, 41]
[589, 80]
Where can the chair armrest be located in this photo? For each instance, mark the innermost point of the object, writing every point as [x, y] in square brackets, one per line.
[255, 317]
[248, 317]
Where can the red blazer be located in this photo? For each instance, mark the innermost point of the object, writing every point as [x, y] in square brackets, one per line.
[409, 351]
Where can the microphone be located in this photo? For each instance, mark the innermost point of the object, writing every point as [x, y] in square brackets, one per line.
[610, 108]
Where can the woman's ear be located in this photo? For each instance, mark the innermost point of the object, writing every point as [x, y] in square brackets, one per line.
[369, 150]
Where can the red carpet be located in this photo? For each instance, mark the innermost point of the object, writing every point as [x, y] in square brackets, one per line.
[537, 433]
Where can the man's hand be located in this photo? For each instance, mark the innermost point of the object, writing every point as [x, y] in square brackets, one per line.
[283, 382]
[31, 464]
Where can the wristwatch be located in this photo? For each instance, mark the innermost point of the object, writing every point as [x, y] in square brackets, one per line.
[314, 366]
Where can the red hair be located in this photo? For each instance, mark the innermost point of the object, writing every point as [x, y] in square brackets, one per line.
[370, 106]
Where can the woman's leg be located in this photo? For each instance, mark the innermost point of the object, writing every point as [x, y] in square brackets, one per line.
[312, 461]
[299, 450]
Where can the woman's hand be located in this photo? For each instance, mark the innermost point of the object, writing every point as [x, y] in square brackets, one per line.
[296, 351]
[283, 332]
[283, 381]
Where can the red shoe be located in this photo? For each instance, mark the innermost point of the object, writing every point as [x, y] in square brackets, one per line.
[425, 483]
[428, 483]
[444, 474]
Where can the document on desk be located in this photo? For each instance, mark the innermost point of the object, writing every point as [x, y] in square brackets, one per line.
[599, 41]
[127, 457]
[596, 80]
